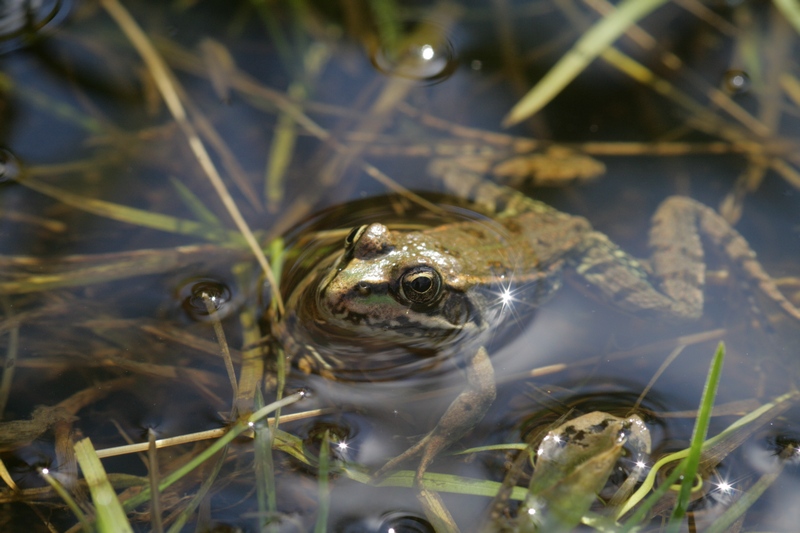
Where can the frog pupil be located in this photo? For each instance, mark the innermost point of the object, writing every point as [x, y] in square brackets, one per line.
[421, 284]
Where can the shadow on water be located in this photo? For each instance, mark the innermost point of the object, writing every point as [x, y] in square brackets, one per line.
[133, 306]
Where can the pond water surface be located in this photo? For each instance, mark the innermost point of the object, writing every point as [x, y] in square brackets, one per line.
[123, 271]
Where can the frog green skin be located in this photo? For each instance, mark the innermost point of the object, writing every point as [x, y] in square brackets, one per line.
[449, 286]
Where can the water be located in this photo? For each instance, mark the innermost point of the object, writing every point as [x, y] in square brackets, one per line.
[111, 235]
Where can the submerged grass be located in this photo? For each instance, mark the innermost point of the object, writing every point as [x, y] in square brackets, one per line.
[323, 485]
[166, 83]
[265, 473]
[28, 276]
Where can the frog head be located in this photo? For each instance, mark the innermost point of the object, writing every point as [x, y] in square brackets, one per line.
[397, 286]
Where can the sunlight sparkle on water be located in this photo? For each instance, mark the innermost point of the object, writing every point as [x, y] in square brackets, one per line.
[506, 296]
[724, 487]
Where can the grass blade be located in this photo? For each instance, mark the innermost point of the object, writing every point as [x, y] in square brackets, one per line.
[111, 517]
[698, 437]
[593, 43]
[323, 485]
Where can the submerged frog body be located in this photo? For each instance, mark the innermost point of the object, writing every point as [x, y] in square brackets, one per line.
[448, 286]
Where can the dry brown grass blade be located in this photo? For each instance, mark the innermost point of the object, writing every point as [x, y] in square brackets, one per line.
[82, 270]
[195, 437]
[166, 82]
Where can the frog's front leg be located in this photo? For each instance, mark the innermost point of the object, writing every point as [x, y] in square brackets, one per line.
[679, 226]
[462, 415]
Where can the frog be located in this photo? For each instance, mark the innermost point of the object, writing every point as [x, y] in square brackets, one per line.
[573, 463]
[449, 286]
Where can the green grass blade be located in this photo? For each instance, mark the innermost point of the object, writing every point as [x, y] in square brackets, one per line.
[586, 50]
[280, 152]
[442, 483]
[187, 512]
[107, 267]
[323, 485]
[195, 204]
[264, 470]
[698, 438]
[759, 416]
[110, 514]
[68, 499]
[131, 215]
[236, 430]
[791, 10]
[650, 501]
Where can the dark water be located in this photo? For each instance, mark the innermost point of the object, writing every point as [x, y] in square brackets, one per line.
[300, 105]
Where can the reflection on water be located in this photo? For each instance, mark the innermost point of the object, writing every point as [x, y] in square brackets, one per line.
[116, 250]
[393, 522]
[202, 298]
[424, 61]
[9, 166]
[21, 20]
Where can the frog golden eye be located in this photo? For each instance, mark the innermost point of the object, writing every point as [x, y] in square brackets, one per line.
[421, 285]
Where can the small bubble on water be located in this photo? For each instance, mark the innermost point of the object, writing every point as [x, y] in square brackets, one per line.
[393, 522]
[21, 20]
[736, 81]
[434, 60]
[205, 298]
[9, 166]
[405, 523]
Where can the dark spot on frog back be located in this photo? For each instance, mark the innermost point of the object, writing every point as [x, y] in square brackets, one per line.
[513, 226]
[476, 232]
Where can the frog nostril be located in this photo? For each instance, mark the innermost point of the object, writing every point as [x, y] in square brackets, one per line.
[364, 289]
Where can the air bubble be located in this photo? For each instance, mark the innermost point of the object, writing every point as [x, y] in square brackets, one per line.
[204, 299]
[434, 60]
[396, 522]
[392, 522]
[736, 82]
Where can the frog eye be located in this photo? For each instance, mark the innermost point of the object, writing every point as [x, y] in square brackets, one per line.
[420, 285]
